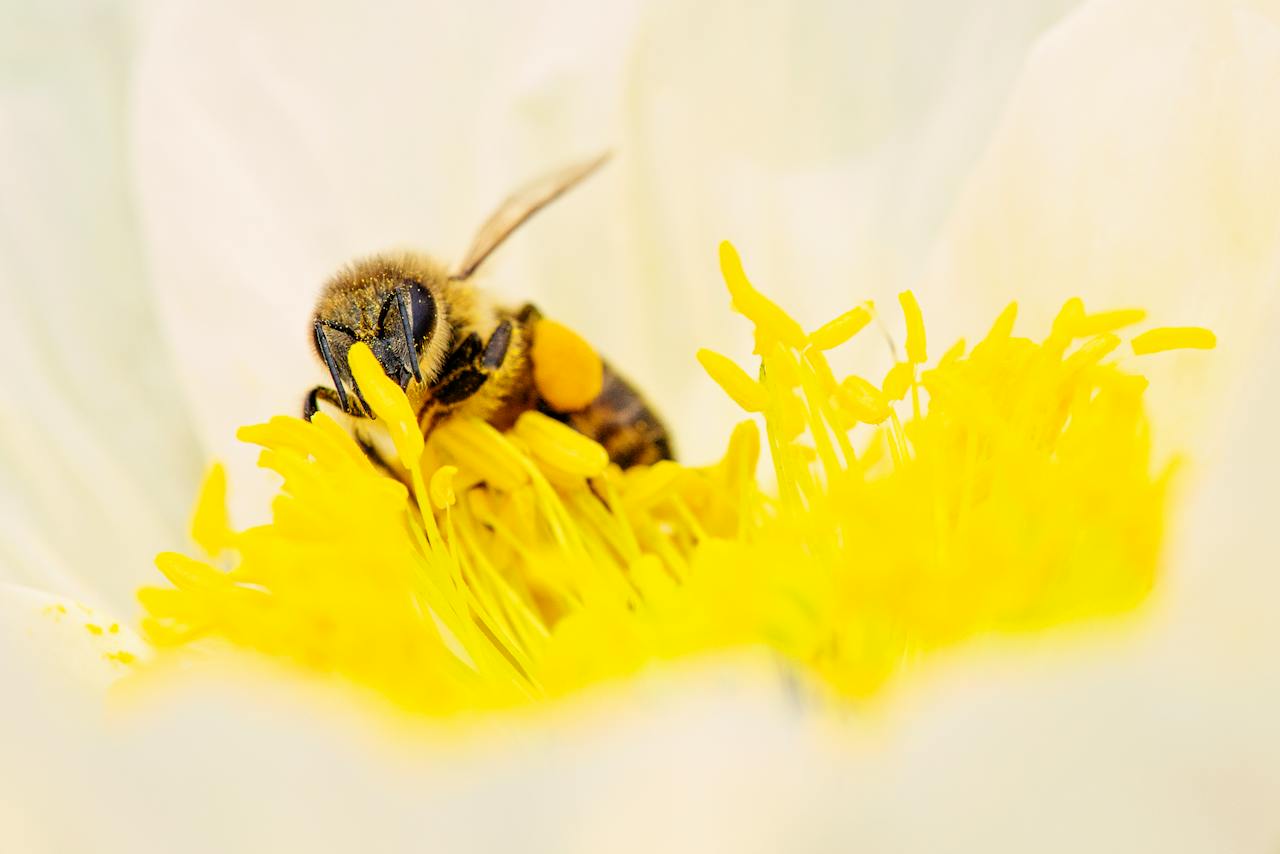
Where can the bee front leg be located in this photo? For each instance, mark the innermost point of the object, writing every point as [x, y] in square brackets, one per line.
[312, 403]
[495, 352]
[463, 376]
[311, 406]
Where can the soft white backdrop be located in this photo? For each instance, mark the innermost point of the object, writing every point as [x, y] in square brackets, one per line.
[177, 178]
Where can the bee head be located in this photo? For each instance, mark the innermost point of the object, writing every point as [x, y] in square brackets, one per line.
[405, 318]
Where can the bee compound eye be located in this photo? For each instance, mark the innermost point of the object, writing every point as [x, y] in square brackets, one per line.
[422, 312]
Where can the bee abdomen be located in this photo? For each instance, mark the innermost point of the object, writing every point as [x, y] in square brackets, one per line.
[621, 421]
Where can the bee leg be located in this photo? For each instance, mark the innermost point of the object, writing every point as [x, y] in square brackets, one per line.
[326, 353]
[458, 378]
[377, 459]
[464, 377]
[495, 352]
[462, 356]
[311, 406]
[527, 314]
[459, 387]
[312, 403]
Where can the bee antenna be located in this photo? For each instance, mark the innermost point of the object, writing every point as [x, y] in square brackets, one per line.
[406, 325]
[326, 353]
[368, 410]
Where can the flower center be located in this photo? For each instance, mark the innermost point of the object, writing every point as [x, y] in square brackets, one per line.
[1003, 488]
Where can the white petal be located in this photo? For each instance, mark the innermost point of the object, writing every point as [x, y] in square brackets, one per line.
[96, 458]
[265, 165]
[692, 763]
[825, 140]
[1169, 746]
[1136, 166]
[88, 649]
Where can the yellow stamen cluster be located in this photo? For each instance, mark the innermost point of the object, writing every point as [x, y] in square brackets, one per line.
[1003, 489]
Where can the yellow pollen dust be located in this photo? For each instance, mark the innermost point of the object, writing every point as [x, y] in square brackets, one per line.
[1005, 488]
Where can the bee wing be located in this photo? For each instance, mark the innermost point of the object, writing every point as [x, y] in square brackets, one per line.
[521, 205]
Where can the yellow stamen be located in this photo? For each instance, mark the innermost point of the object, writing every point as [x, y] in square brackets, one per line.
[746, 392]
[1003, 327]
[649, 485]
[863, 400]
[897, 382]
[1015, 491]
[560, 446]
[477, 447]
[770, 320]
[1108, 321]
[1069, 320]
[210, 526]
[388, 403]
[954, 353]
[1174, 338]
[441, 488]
[915, 328]
[1092, 352]
[838, 331]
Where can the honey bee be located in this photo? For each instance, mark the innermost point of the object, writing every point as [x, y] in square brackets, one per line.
[454, 351]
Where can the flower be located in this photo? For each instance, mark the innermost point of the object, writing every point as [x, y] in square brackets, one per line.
[521, 566]
[1130, 166]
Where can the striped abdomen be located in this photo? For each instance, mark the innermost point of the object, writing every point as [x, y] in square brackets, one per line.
[621, 421]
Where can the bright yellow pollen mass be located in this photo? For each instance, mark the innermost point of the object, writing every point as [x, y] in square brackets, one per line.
[566, 369]
[1013, 491]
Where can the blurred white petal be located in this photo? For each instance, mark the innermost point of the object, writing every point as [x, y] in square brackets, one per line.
[96, 455]
[692, 761]
[80, 646]
[265, 158]
[273, 146]
[1136, 166]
